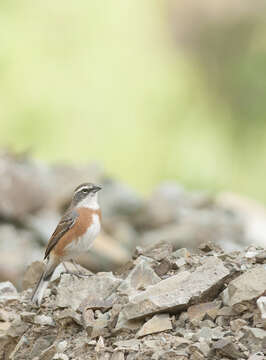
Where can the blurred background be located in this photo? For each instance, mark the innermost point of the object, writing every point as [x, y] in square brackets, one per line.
[150, 91]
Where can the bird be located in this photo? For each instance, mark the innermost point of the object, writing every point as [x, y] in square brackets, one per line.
[74, 234]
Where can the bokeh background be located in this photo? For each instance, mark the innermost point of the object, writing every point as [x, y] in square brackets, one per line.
[152, 90]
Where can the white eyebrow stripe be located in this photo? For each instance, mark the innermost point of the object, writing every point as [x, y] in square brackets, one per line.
[83, 187]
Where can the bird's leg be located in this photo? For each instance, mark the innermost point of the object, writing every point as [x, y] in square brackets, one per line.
[79, 272]
[67, 270]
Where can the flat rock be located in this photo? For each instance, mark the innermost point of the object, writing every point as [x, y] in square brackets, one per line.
[198, 312]
[261, 303]
[139, 278]
[176, 292]
[7, 291]
[225, 347]
[72, 291]
[246, 287]
[157, 323]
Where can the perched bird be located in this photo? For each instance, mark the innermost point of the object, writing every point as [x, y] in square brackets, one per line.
[74, 234]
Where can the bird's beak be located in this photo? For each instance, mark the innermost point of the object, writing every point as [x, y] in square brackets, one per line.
[97, 188]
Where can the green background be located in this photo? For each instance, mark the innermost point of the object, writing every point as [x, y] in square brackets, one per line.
[150, 90]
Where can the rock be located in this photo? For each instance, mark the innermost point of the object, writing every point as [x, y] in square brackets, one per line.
[225, 347]
[128, 325]
[261, 302]
[17, 328]
[128, 345]
[95, 326]
[254, 338]
[139, 278]
[157, 323]
[60, 356]
[118, 355]
[32, 274]
[67, 316]
[72, 291]
[61, 346]
[257, 356]
[163, 268]
[43, 320]
[175, 293]
[246, 287]
[237, 324]
[157, 251]
[198, 312]
[7, 291]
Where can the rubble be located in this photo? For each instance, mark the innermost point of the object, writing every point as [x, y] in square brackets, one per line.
[176, 293]
[135, 314]
[246, 286]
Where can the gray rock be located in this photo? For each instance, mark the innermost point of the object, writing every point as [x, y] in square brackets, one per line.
[118, 355]
[198, 312]
[246, 287]
[225, 347]
[129, 345]
[157, 323]
[139, 278]
[60, 356]
[261, 302]
[43, 320]
[72, 291]
[254, 338]
[175, 293]
[257, 356]
[7, 291]
[157, 251]
[128, 325]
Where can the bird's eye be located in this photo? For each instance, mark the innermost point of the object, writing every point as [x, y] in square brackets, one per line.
[85, 191]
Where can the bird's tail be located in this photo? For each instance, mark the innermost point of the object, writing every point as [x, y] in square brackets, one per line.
[42, 284]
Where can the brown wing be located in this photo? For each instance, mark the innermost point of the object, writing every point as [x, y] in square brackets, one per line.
[66, 223]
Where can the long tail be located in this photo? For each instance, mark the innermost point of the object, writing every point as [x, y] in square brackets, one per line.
[38, 292]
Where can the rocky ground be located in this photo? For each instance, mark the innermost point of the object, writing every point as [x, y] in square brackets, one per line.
[174, 275]
[163, 304]
[34, 195]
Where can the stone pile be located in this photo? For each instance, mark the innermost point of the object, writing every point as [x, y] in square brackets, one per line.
[162, 304]
[34, 195]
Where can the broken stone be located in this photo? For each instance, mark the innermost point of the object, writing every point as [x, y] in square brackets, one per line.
[72, 291]
[7, 291]
[61, 346]
[129, 345]
[60, 356]
[237, 324]
[246, 287]
[199, 311]
[157, 251]
[118, 355]
[163, 267]
[67, 316]
[225, 347]
[139, 278]
[95, 326]
[43, 320]
[124, 324]
[261, 302]
[257, 356]
[157, 323]
[28, 316]
[17, 328]
[254, 338]
[175, 293]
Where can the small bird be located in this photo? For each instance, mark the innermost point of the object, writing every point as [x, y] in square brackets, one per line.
[74, 234]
